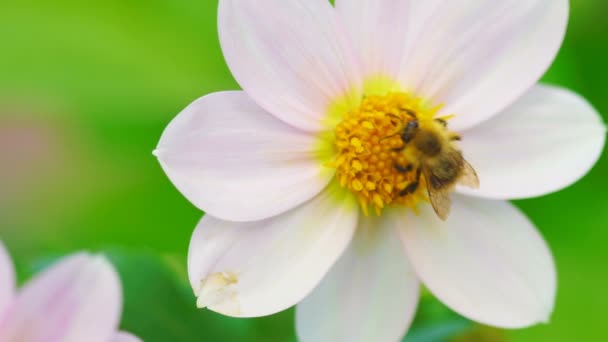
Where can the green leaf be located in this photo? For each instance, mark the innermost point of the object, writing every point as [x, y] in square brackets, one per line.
[438, 332]
[160, 306]
[435, 322]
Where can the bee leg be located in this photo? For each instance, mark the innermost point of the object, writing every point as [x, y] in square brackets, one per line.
[413, 186]
[410, 113]
[404, 169]
[398, 132]
[455, 137]
[442, 122]
[410, 189]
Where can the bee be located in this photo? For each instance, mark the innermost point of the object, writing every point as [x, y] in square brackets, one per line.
[440, 161]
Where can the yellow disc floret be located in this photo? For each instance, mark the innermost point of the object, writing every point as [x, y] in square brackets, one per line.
[372, 160]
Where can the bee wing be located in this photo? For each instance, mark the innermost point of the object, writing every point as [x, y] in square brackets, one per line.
[469, 176]
[440, 199]
[441, 203]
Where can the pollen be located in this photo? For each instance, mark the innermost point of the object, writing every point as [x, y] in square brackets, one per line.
[373, 161]
[219, 290]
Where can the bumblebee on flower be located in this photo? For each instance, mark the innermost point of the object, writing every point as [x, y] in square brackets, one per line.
[332, 180]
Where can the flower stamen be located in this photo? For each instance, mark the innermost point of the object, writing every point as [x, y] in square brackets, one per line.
[373, 160]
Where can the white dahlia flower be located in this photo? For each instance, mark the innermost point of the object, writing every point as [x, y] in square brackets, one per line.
[328, 181]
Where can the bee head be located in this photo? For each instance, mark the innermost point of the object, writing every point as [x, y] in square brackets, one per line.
[409, 131]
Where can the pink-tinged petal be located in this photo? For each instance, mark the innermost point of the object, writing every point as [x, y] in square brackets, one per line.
[237, 162]
[260, 268]
[7, 279]
[370, 294]
[78, 299]
[125, 337]
[487, 262]
[478, 56]
[379, 31]
[544, 142]
[291, 57]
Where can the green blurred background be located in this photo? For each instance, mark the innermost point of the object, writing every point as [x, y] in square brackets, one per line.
[86, 88]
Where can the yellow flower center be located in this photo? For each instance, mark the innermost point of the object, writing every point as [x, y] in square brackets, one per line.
[374, 159]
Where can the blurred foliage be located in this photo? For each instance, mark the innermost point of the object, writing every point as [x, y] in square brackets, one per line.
[435, 322]
[86, 88]
[159, 307]
[481, 334]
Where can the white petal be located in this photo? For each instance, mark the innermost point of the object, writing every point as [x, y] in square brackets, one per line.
[237, 162]
[125, 337]
[78, 299]
[378, 30]
[370, 294]
[545, 141]
[478, 56]
[260, 268]
[291, 57]
[487, 262]
[7, 279]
